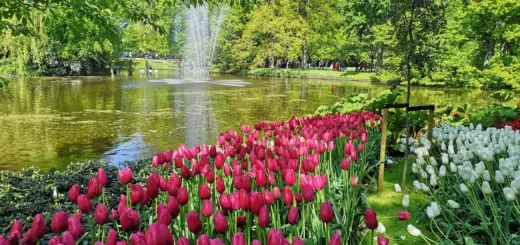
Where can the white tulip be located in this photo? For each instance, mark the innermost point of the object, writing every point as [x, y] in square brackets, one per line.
[433, 161]
[425, 188]
[479, 168]
[443, 146]
[397, 188]
[413, 230]
[406, 201]
[509, 194]
[414, 168]
[429, 169]
[55, 192]
[424, 175]
[420, 161]
[436, 209]
[453, 204]
[381, 228]
[442, 171]
[499, 178]
[429, 213]
[453, 167]
[433, 180]
[486, 176]
[463, 188]
[486, 189]
[417, 185]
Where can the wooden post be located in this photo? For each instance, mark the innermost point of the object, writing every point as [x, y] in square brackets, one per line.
[430, 125]
[382, 152]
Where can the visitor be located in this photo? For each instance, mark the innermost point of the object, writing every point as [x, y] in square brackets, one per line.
[165, 57]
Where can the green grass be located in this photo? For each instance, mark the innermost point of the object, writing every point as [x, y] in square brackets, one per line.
[322, 74]
[140, 63]
[388, 202]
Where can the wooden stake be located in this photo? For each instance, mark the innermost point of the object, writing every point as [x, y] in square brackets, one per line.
[382, 152]
[430, 125]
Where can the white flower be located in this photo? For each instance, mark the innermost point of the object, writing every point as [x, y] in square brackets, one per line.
[499, 178]
[436, 209]
[414, 168]
[429, 169]
[479, 168]
[406, 201]
[55, 192]
[402, 238]
[425, 188]
[433, 161]
[413, 230]
[429, 212]
[381, 228]
[463, 188]
[397, 188]
[442, 171]
[445, 159]
[417, 185]
[420, 161]
[453, 204]
[453, 167]
[509, 194]
[486, 189]
[433, 180]
[486, 176]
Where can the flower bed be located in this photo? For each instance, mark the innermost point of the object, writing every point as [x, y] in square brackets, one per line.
[303, 179]
[473, 177]
[515, 125]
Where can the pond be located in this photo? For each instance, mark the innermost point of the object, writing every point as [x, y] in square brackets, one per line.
[50, 122]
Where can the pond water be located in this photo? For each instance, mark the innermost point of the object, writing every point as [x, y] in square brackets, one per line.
[50, 122]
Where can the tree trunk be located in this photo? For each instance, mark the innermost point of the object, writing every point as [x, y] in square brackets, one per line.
[303, 12]
[379, 61]
[271, 54]
[490, 46]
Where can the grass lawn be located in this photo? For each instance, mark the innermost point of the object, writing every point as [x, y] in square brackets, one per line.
[324, 74]
[388, 203]
[140, 63]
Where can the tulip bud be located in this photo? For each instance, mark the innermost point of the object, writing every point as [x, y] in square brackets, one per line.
[326, 212]
[509, 194]
[413, 230]
[256, 202]
[152, 186]
[38, 226]
[163, 215]
[335, 239]
[59, 222]
[287, 196]
[220, 186]
[173, 206]
[297, 241]
[243, 200]
[207, 208]
[289, 177]
[220, 223]
[263, 217]
[241, 221]
[204, 192]
[345, 164]
[486, 189]
[101, 214]
[403, 215]
[381, 228]
[74, 227]
[16, 230]
[183, 241]
[238, 239]
[293, 217]
[453, 204]
[74, 193]
[125, 175]
[382, 240]
[406, 201]
[136, 193]
[102, 176]
[397, 188]
[276, 193]
[129, 220]
[182, 196]
[463, 188]
[354, 181]
[111, 237]
[275, 237]
[203, 240]
[194, 222]
[371, 219]
[84, 204]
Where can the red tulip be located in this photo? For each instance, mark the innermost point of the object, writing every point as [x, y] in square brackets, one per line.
[298, 197]
[345, 164]
[263, 217]
[204, 192]
[122, 243]
[276, 193]
[75, 228]
[381, 240]
[53, 241]
[194, 222]
[158, 234]
[260, 178]
[172, 188]
[203, 240]
[129, 220]
[74, 193]
[16, 230]
[275, 237]
[371, 219]
[227, 170]
[241, 221]
[220, 185]
[270, 178]
[112, 237]
[403, 215]
[125, 175]
[59, 222]
[136, 193]
[238, 239]
[38, 226]
[163, 215]
[224, 201]
[320, 181]
[101, 214]
[293, 217]
[182, 196]
[185, 172]
[93, 188]
[102, 176]
[243, 199]
[67, 238]
[256, 202]
[256, 242]
[307, 193]
[136, 240]
[29, 238]
[114, 215]
[219, 161]
[152, 186]
[84, 204]
[122, 204]
[155, 161]
[183, 241]
[146, 198]
[297, 241]
[335, 239]
[173, 206]
[220, 223]
[354, 181]
[288, 198]
[207, 208]
[289, 177]
[326, 213]
[268, 197]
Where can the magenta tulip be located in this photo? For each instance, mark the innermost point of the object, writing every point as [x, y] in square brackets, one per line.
[59, 222]
[74, 193]
[182, 196]
[207, 208]
[112, 237]
[173, 206]
[219, 184]
[194, 222]
[293, 217]
[263, 217]
[129, 220]
[74, 227]
[371, 219]
[84, 204]
[204, 192]
[125, 175]
[163, 215]
[220, 223]
[102, 176]
[326, 212]
[136, 193]
[183, 241]
[93, 188]
[335, 239]
[288, 198]
[238, 239]
[256, 202]
[101, 214]
[308, 193]
[275, 237]
[381, 240]
[403, 215]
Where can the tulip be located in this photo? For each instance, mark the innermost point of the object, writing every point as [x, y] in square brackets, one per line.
[67, 238]
[59, 222]
[288, 198]
[268, 197]
[102, 176]
[74, 227]
[122, 204]
[255, 242]
[241, 221]
[238, 239]
[463, 188]
[194, 222]
[297, 241]
[509, 194]
[397, 188]
[403, 215]
[185, 172]
[406, 201]
[453, 204]
[204, 192]
[371, 219]
[207, 208]
[261, 178]
[413, 230]
[84, 204]
[256, 202]
[112, 237]
[163, 215]
[182, 196]
[289, 177]
[38, 227]
[93, 188]
[130, 220]
[146, 198]
[381, 228]
[122, 243]
[326, 212]
[345, 164]
[354, 181]
[125, 175]
[203, 240]
[308, 193]
[173, 206]
[219, 184]
[381, 240]
[101, 214]
[29, 238]
[320, 181]
[136, 240]
[275, 237]
[152, 186]
[243, 200]
[220, 223]
[263, 217]
[293, 217]
[486, 189]
[158, 234]
[136, 193]
[335, 239]
[276, 193]
[16, 230]
[74, 193]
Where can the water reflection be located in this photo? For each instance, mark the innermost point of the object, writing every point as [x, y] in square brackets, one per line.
[50, 122]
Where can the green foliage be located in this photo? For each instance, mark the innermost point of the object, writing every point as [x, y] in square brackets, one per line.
[492, 115]
[3, 82]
